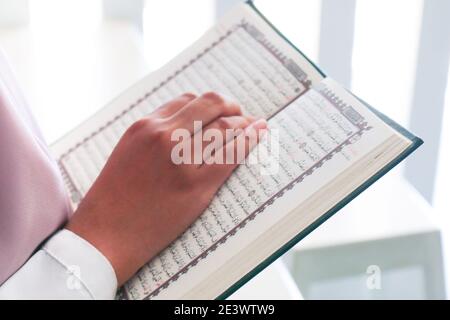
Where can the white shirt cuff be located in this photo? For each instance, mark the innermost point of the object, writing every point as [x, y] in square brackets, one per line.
[84, 262]
[67, 267]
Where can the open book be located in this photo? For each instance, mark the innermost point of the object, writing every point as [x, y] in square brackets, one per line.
[331, 147]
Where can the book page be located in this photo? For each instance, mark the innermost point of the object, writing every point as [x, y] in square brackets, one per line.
[242, 58]
[314, 131]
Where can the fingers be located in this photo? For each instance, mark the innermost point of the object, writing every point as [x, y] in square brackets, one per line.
[170, 108]
[218, 133]
[206, 108]
[234, 152]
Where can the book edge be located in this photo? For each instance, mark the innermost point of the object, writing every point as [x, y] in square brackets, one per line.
[415, 144]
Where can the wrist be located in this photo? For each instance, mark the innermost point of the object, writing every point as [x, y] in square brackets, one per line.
[103, 241]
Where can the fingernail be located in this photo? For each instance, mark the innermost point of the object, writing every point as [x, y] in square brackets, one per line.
[260, 124]
[228, 98]
[262, 133]
[256, 126]
[250, 118]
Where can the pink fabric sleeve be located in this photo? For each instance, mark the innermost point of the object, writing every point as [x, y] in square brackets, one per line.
[33, 203]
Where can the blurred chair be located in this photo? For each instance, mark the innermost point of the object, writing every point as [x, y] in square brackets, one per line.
[385, 236]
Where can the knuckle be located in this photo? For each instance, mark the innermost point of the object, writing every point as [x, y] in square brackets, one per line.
[223, 123]
[234, 108]
[159, 136]
[246, 122]
[214, 97]
[189, 95]
[149, 130]
[139, 126]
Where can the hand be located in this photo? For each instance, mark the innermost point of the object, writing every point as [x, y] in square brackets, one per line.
[142, 200]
